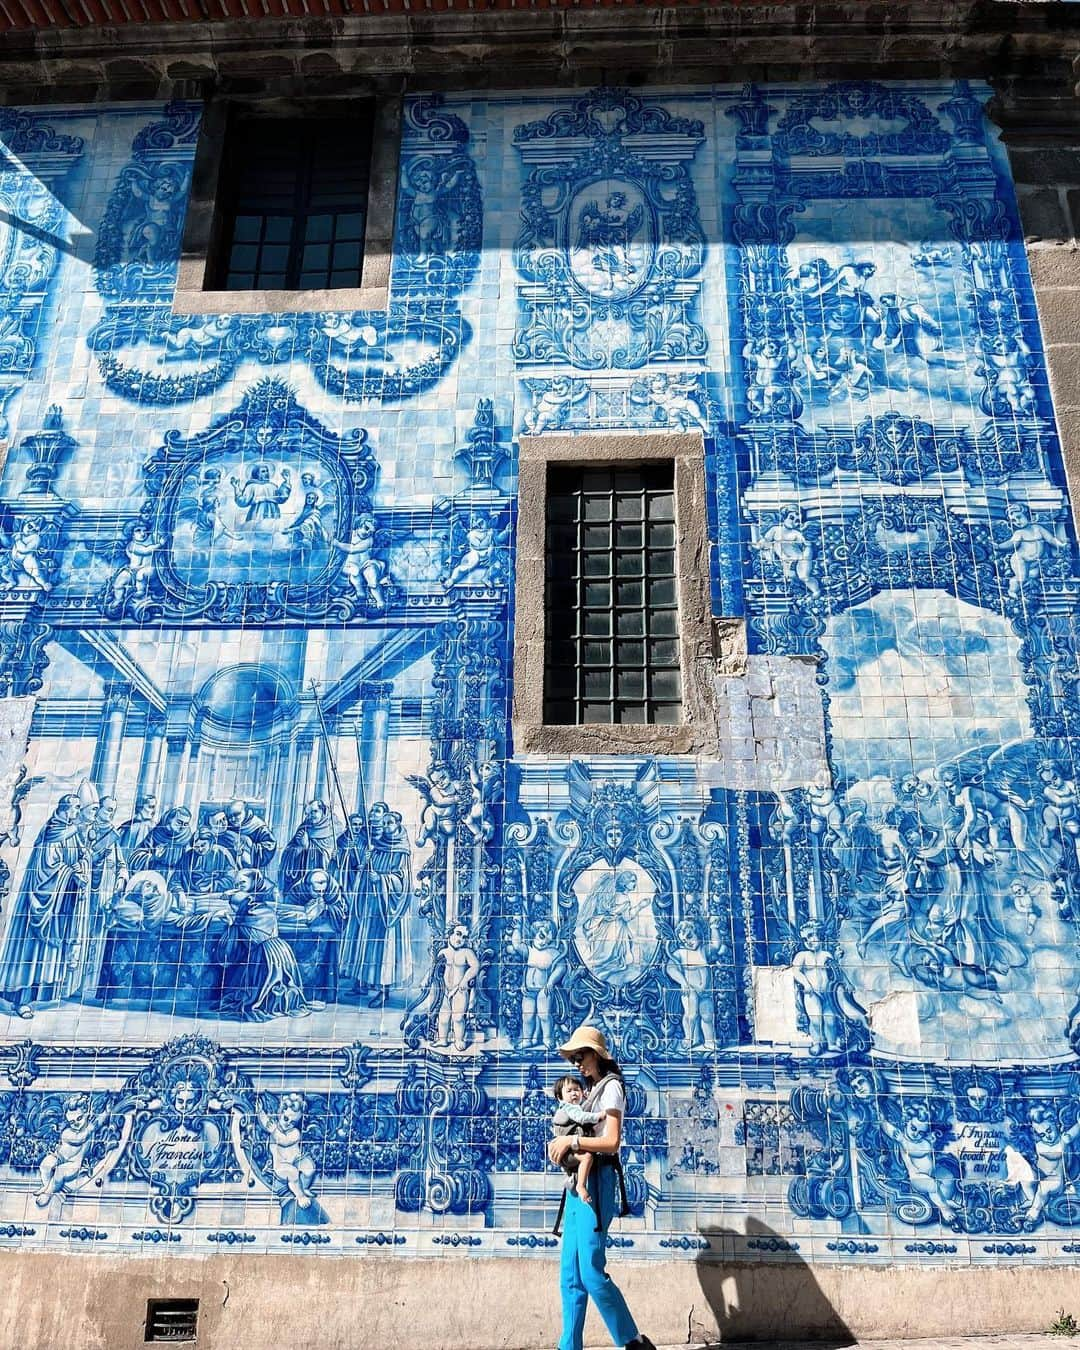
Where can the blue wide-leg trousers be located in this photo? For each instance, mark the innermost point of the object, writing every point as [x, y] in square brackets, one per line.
[583, 1276]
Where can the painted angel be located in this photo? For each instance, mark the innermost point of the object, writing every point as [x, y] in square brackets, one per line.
[348, 338]
[366, 574]
[130, 583]
[606, 234]
[674, 401]
[87, 1136]
[824, 997]
[429, 210]
[20, 567]
[154, 213]
[443, 795]
[188, 339]
[200, 507]
[483, 542]
[552, 401]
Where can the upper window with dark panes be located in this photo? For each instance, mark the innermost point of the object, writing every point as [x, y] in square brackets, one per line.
[294, 202]
[612, 649]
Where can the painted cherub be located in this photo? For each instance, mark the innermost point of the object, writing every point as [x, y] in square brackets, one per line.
[65, 1160]
[1006, 368]
[1026, 545]
[23, 569]
[785, 542]
[133, 579]
[1024, 904]
[545, 966]
[460, 967]
[429, 212]
[366, 574]
[1051, 1143]
[688, 968]
[482, 541]
[291, 1163]
[440, 816]
[771, 361]
[486, 779]
[822, 992]
[675, 402]
[344, 332]
[552, 400]
[915, 1146]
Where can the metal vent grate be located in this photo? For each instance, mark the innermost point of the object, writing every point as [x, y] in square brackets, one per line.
[171, 1319]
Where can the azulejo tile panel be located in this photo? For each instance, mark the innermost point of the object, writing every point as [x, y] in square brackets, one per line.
[290, 931]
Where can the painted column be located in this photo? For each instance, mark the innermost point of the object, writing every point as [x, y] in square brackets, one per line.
[375, 740]
[176, 754]
[279, 790]
[150, 764]
[303, 777]
[106, 765]
[320, 771]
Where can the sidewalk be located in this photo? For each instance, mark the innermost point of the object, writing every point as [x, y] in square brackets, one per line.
[1014, 1341]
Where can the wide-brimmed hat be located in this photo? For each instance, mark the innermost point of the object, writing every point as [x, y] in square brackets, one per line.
[586, 1038]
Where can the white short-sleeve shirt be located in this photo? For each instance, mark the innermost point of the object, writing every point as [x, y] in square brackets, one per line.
[611, 1097]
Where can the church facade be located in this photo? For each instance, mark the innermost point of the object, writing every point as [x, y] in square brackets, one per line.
[297, 907]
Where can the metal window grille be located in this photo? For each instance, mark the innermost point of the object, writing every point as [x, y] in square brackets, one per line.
[612, 648]
[171, 1319]
[294, 205]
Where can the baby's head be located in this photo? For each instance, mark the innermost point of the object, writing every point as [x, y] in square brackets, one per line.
[569, 1089]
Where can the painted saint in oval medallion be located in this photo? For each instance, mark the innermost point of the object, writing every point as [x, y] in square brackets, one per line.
[611, 238]
[616, 932]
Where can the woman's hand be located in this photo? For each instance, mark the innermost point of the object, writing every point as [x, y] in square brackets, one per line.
[560, 1147]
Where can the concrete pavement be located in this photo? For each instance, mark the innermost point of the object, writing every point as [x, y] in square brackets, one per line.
[1011, 1341]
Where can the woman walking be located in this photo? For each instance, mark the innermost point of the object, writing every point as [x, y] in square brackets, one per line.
[584, 1249]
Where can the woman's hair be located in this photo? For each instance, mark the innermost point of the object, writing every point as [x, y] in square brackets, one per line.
[608, 1066]
[563, 1082]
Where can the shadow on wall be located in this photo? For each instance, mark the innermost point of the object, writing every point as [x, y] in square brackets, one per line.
[766, 1300]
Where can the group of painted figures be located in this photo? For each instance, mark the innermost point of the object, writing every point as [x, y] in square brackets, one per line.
[951, 880]
[176, 1130]
[859, 339]
[977, 1158]
[104, 909]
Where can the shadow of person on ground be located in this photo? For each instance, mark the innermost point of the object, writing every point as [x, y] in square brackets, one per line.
[756, 1287]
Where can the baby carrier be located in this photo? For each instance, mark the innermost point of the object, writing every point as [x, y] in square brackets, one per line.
[600, 1161]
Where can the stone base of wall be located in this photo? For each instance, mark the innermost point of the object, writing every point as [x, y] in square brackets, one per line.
[76, 1302]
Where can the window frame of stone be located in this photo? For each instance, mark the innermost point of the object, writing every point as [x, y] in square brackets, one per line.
[699, 731]
[203, 226]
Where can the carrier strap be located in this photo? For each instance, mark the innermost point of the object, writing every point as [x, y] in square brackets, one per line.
[601, 1160]
[557, 1230]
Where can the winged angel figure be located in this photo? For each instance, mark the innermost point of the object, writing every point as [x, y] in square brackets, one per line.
[606, 233]
[21, 542]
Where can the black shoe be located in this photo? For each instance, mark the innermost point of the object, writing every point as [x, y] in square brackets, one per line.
[641, 1343]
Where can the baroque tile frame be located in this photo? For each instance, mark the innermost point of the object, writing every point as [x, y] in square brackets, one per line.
[351, 353]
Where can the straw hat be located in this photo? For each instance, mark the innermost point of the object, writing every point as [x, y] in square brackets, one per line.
[586, 1038]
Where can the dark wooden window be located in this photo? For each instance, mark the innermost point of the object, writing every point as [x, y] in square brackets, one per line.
[294, 202]
[612, 640]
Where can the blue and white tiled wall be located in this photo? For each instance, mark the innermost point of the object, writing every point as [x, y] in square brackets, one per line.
[290, 931]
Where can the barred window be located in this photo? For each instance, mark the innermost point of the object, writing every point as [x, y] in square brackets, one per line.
[294, 202]
[612, 637]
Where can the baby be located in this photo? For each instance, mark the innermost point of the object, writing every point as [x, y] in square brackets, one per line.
[572, 1118]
